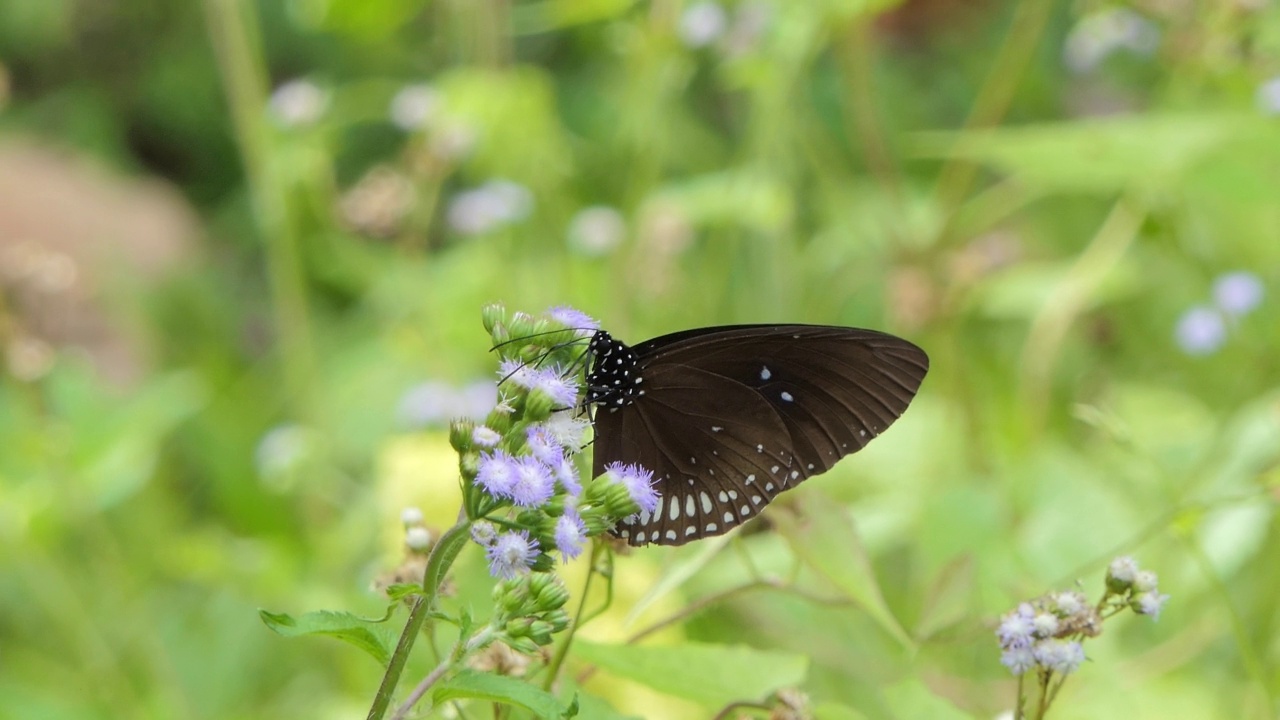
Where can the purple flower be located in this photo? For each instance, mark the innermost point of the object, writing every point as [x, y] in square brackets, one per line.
[1237, 293]
[571, 535]
[638, 482]
[1151, 603]
[511, 554]
[1017, 627]
[1062, 656]
[533, 485]
[491, 206]
[574, 319]
[551, 381]
[1018, 659]
[515, 371]
[498, 473]
[1045, 624]
[485, 436]
[543, 445]
[567, 475]
[1201, 331]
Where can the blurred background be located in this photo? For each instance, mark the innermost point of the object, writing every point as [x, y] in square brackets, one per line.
[244, 246]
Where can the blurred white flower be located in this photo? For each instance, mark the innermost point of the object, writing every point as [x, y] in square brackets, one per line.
[596, 230]
[750, 22]
[702, 23]
[1201, 331]
[411, 516]
[452, 141]
[1269, 96]
[1098, 35]
[489, 207]
[417, 538]
[298, 102]
[281, 453]
[1238, 293]
[414, 107]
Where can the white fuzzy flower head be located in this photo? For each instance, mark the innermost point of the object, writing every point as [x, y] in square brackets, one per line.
[1150, 604]
[1062, 656]
[411, 516]
[417, 538]
[1017, 627]
[1145, 581]
[1070, 603]
[1123, 569]
[1045, 624]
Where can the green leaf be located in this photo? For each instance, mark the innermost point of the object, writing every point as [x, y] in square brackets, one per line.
[1096, 155]
[714, 675]
[824, 536]
[372, 636]
[707, 550]
[473, 685]
[913, 699]
[836, 711]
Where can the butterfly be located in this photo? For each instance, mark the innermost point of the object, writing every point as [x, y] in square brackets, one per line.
[728, 417]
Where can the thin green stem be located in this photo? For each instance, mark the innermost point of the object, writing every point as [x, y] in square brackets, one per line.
[1011, 62]
[563, 650]
[438, 563]
[237, 44]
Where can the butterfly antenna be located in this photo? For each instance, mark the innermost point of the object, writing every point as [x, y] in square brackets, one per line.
[522, 338]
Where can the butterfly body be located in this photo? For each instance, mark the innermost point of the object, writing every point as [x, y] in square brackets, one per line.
[728, 417]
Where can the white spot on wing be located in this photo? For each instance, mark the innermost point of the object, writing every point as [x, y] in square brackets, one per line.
[787, 396]
[671, 534]
[711, 527]
[768, 487]
[728, 518]
[674, 509]
[751, 478]
[723, 496]
[706, 502]
[745, 510]
[690, 509]
[764, 373]
[755, 499]
[690, 530]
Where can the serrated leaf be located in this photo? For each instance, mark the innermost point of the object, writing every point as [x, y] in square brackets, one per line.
[372, 636]
[714, 675]
[472, 685]
[823, 535]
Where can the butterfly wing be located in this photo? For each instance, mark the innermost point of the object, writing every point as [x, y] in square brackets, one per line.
[733, 415]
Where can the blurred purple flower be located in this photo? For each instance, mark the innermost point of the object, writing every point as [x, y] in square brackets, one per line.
[436, 403]
[1018, 659]
[1238, 293]
[489, 207]
[1062, 656]
[1099, 35]
[567, 475]
[1151, 603]
[1017, 627]
[552, 382]
[1201, 331]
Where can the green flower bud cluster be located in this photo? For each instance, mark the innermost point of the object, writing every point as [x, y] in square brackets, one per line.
[530, 610]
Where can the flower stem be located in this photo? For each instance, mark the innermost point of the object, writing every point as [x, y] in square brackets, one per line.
[563, 650]
[438, 563]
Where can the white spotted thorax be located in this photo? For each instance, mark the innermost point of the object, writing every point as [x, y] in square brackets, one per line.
[614, 380]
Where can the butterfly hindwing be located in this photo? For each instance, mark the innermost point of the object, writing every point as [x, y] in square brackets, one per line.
[731, 416]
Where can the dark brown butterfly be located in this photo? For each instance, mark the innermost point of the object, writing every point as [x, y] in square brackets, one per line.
[728, 417]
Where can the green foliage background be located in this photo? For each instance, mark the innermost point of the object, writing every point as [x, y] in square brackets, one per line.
[933, 169]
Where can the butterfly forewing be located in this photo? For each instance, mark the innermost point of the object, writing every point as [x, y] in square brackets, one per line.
[731, 416]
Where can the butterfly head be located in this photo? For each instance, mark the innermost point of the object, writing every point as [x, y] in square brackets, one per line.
[614, 380]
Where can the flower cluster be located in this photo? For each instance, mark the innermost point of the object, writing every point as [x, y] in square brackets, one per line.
[522, 486]
[1046, 633]
[1203, 328]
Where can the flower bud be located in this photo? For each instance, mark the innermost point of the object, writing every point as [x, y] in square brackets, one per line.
[460, 434]
[493, 315]
[540, 632]
[538, 406]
